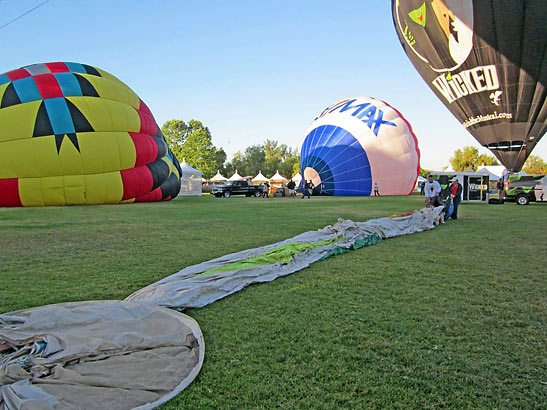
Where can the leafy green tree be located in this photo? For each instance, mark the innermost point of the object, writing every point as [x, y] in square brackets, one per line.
[535, 165]
[254, 159]
[220, 159]
[192, 142]
[486, 160]
[175, 132]
[291, 164]
[279, 157]
[269, 158]
[236, 164]
[295, 168]
[198, 150]
[469, 158]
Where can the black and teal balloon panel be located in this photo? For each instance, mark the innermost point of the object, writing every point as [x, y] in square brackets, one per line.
[74, 134]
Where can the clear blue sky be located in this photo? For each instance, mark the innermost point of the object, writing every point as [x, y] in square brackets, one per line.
[249, 70]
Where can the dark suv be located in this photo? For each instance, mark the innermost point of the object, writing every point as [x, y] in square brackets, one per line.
[524, 189]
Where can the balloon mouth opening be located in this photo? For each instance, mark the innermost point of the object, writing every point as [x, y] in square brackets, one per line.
[311, 173]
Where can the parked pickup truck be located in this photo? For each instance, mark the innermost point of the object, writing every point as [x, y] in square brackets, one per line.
[235, 188]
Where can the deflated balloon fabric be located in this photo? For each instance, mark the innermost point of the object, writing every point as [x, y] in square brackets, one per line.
[202, 284]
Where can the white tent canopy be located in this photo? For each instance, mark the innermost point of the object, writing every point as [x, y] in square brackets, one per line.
[497, 171]
[218, 177]
[278, 178]
[190, 180]
[493, 174]
[188, 170]
[236, 177]
[260, 178]
[297, 178]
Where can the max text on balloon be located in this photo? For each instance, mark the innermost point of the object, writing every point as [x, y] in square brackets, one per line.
[371, 115]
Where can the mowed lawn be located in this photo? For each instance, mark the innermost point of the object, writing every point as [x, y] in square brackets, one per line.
[450, 318]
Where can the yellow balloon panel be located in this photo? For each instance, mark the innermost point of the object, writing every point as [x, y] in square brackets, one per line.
[72, 190]
[38, 157]
[17, 122]
[103, 188]
[42, 191]
[106, 74]
[113, 90]
[107, 115]
[104, 152]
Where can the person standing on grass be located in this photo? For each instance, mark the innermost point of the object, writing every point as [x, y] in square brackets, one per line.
[499, 186]
[376, 192]
[310, 189]
[432, 190]
[308, 186]
[291, 185]
[266, 190]
[456, 195]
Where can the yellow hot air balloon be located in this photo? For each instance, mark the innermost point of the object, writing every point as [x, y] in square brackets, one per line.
[73, 134]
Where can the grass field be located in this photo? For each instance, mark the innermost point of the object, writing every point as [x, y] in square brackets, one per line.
[449, 318]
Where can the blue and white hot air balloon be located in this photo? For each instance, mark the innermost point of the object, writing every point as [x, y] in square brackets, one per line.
[357, 144]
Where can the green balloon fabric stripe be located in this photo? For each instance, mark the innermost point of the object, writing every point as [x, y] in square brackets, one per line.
[281, 254]
[202, 284]
[359, 243]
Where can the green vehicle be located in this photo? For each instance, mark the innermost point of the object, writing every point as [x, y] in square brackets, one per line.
[524, 189]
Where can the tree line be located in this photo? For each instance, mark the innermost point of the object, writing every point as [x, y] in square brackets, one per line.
[468, 158]
[192, 142]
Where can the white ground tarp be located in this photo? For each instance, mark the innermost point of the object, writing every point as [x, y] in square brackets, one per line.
[96, 355]
[202, 284]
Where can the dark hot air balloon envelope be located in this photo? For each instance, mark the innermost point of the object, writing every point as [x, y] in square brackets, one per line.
[486, 62]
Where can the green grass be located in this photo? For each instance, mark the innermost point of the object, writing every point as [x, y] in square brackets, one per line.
[450, 318]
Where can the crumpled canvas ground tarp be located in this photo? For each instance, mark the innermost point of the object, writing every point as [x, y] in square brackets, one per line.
[96, 355]
[199, 285]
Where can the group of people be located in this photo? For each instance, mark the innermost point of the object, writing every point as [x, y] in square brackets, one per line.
[432, 191]
[291, 186]
[308, 189]
[431, 188]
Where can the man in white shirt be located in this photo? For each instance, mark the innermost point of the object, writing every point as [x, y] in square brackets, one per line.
[432, 190]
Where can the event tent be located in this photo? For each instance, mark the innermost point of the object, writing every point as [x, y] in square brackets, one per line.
[278, 179]
[260, 179]
[190, 180]
[218, 177]
[297, 178]
[236, 177]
